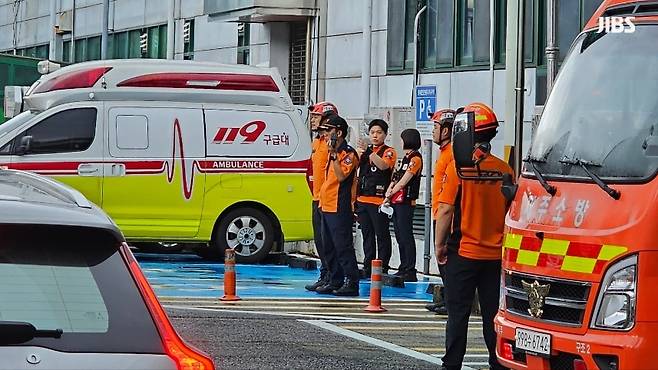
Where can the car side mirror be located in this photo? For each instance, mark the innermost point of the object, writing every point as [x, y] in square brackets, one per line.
[25, 146]
[467, 153]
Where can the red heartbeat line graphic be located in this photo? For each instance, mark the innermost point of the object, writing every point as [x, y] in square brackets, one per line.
[188, 171]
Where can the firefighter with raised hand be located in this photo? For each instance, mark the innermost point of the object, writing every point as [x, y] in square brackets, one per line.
[336, 202]
[319, 113]
[376, 163]
[442, 136]
[402, 194]
[469, 236]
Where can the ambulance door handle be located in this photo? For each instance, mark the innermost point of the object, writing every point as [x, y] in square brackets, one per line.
[89, 169]
[118, 169]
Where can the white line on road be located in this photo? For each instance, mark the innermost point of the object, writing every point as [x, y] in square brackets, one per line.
[374, 341]
[296, 315]
[347, 320]
[402, 328]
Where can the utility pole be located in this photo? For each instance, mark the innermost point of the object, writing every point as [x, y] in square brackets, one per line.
[170, 30]
[552, 50]
[416, 25]
[515, 83]
[52, 50]
[106, 22]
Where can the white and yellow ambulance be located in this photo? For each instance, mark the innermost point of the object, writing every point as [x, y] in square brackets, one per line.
[173, 151]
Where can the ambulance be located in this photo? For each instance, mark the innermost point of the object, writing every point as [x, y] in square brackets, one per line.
[173, 151]
[580, 256]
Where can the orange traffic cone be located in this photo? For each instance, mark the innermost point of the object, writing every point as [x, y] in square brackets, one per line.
[375, 304]
[229, 277]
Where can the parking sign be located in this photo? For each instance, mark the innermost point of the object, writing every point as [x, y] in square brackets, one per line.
[425, 107]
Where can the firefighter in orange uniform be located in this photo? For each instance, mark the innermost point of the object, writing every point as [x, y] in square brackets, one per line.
[469, 236]
[319, 113]
[376, 163]
[442, 136]
[337, 204]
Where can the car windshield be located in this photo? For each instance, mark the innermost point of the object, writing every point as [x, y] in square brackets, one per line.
[6, 127]
[603, 110]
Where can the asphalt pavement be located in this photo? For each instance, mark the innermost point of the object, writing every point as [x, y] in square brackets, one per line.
[279, 325]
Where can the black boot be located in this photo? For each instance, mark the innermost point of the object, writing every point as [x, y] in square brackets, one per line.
[321, 281]
[327, 288]
[349, 289]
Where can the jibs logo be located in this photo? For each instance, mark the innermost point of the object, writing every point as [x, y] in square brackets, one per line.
[616, 25]
[251, 131]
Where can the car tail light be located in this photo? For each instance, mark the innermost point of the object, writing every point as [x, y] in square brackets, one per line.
[213, 81]
[579, 364]
[507, 352]
[72, 80]
[186, 357]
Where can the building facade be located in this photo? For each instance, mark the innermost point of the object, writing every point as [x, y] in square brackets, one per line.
[358, 54]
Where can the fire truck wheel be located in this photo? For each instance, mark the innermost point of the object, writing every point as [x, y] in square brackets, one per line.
[248, 231]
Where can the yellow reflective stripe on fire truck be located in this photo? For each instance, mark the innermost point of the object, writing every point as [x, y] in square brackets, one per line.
[609, 252]
[557, 247]
[513, 241]
[578, 264]
[557, 254]
[528, 258]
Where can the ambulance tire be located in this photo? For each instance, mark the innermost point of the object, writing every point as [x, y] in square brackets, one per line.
[250, 225]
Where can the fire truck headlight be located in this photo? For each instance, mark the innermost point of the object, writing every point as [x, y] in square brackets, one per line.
[615, 305]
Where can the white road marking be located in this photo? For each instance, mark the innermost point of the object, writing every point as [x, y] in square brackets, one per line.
[374, 341]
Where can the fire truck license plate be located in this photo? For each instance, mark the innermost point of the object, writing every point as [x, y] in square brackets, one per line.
[532, 341]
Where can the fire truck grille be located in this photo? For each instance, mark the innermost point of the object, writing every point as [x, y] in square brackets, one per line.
[564, 304]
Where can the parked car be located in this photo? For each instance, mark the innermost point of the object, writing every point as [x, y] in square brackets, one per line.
[72, 296]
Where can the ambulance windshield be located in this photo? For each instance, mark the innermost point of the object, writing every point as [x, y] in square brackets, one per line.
[603, 109]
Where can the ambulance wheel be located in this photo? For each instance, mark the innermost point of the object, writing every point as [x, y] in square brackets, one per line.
[248, 231]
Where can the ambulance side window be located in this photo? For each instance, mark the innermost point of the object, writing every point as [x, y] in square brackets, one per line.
[68, 131]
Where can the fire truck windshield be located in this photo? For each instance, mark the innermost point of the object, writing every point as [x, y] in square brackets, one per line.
[603, 109]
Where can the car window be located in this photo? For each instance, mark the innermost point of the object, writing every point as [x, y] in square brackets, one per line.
[73, 279]
[68, 131]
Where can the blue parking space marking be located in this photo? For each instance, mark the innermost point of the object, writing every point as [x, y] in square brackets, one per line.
[182, 275]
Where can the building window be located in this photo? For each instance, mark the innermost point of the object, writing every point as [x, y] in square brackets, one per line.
[297, 65]
[121, 45]
[400, 38]
[156, 46]
[532, 19]
[473, 25]
[439, 34]
[188, 40]
[39, 51]
[243, 43]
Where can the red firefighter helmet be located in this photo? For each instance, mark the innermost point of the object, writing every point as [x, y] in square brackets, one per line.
[444, 117]
[485, 118]
[323, 108]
